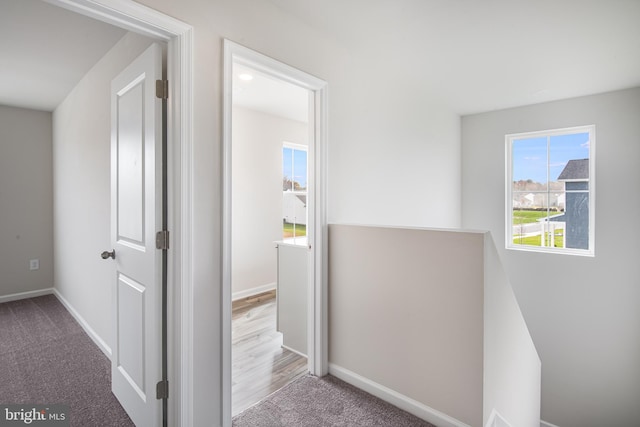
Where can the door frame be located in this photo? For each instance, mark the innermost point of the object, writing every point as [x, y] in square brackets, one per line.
[179, 38]
[317, 316]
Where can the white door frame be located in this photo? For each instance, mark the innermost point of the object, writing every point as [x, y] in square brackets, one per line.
[179, 38]
[317, 318]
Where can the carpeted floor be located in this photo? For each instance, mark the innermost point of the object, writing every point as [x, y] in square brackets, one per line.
[46, 358]
[324, 402]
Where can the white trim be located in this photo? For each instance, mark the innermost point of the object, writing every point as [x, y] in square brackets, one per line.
[317, 235]
[253, 291]
[25, 295]
[295, 146]
[494, 418]
[546, 424]
[179, 37]
[294, 351]
[102, 345]
[226, 235]
[401, 401]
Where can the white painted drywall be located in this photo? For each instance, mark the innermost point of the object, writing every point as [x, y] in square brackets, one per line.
[81, 159]
[406, 311]
[398, 133]
[257, 194]
[292, 295]
[583, 313]
[511, 385]
[26, 200]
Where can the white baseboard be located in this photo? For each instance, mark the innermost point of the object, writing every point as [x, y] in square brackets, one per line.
[294, 351]
[403, 402]
[546, 424]
[496, 420]
[25, 295]
[253, 291]
[92, 334]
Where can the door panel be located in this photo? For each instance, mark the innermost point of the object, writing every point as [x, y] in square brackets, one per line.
[130, 304]
[136, 215]
[130, 146]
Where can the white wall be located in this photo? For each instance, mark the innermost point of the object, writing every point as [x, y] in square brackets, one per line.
[512, 370]
[81, 164]
[583, 313]
[365, 124]
[26, 200]
[257, 194]
[394, 155]
[406, 312]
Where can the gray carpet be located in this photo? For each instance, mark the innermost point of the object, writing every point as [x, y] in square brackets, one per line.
[46, 358]
[323, 402]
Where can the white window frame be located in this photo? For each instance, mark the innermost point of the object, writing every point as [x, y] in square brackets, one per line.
[591, 130]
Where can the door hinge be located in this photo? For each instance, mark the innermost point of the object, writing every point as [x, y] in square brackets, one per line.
[162, 240]
[162, 390]
[162, 89]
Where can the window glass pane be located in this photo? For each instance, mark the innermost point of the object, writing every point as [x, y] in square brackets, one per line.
[576, 218]
[294, 185]
[300, 170]
[287, 169]
[529, 163]
[569, 161]
[565, 148]
[541, 225]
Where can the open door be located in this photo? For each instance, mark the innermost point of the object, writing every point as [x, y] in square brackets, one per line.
[136, 216]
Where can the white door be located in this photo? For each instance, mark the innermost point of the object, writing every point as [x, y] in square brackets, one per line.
[136, 192]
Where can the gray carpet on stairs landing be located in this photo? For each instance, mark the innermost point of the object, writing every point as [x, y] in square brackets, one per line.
[47, 358]
[324, 402]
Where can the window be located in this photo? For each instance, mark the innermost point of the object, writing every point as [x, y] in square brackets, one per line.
[294, 187]
[550, 191]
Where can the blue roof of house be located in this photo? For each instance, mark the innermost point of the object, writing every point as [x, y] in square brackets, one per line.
[575, 170]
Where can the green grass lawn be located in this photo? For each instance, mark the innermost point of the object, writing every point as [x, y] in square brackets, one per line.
[288, 230]
[536, 240]
[526, 217]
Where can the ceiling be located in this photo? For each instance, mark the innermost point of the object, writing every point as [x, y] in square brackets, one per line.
[268, 94]
[46, 50]
[482, 55]
[470, 55]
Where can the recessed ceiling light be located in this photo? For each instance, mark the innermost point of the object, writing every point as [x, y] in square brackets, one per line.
[245, 76]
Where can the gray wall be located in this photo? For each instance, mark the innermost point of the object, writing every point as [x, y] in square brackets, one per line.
[26, 200]
[583, 312]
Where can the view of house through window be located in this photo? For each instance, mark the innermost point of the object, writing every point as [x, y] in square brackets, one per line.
[294, 187]
[550, 177]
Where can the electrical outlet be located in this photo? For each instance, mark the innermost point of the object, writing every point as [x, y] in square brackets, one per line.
[34, 264]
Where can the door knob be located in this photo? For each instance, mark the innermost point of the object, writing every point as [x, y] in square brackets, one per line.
[107, 254]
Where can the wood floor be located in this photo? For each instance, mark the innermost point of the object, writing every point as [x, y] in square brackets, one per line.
[260, 365]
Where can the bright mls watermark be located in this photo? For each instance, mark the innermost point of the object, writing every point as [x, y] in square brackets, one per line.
[34, 415]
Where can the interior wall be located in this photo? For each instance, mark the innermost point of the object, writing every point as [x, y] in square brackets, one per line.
[257, 195]
[583, 312]
[82, 195]
[406, 311]
[26, 200]
[360, 116]
[512, 368]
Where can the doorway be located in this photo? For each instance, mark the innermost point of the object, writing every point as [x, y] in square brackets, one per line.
[273, 220]
[178, 37]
